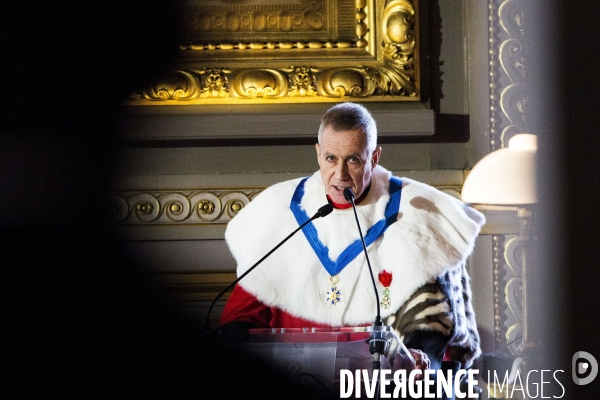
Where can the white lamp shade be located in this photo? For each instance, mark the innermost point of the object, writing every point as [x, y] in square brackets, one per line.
[506, 176]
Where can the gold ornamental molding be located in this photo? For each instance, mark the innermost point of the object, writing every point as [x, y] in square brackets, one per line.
[167, 207]
[302, 51]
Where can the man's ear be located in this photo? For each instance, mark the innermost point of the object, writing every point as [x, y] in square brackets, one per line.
[375, 157]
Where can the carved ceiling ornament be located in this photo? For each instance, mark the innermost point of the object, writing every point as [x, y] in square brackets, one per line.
[311, 55]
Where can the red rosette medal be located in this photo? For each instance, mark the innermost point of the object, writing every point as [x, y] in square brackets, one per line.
[386, 280]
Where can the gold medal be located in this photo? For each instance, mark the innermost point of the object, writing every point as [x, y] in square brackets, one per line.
[333, 295]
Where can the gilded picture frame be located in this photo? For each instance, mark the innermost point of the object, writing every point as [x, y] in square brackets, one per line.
[292, 51]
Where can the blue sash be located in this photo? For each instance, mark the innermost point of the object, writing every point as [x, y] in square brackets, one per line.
[355, 248]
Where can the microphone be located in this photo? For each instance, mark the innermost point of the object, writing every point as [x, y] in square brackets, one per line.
[321, 212]
[349, 195]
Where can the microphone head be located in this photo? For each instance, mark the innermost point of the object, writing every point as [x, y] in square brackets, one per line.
[325, 210]
[348, 194]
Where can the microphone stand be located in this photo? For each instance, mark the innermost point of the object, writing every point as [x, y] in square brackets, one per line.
[377, 343]
[322, 212]
[380, 335]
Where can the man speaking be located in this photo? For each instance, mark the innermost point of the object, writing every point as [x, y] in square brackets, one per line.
[418, 240]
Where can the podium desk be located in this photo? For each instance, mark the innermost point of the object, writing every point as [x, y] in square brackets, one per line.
[316, 355]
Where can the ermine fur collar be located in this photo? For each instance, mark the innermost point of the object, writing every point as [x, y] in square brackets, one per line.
[433, 233]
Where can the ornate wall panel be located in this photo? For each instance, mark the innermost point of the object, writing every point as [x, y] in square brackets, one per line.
[508, 296]
[276, 51]
[509, 97]
[509, 92]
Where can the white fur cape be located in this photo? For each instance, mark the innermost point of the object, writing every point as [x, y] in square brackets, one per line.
[433, 233]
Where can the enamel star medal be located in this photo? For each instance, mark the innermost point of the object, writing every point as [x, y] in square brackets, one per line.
[332, 296]
[386, 280]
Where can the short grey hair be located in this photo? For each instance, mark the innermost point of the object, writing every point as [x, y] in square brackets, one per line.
[350, 117]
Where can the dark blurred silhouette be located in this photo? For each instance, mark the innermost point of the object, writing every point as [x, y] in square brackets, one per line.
[78, 320]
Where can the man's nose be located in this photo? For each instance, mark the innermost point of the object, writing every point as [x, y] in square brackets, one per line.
[341, 171]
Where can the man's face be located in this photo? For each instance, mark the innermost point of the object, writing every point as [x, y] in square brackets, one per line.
[345, 161]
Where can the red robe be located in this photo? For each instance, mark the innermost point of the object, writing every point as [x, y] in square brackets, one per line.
[242, 306]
